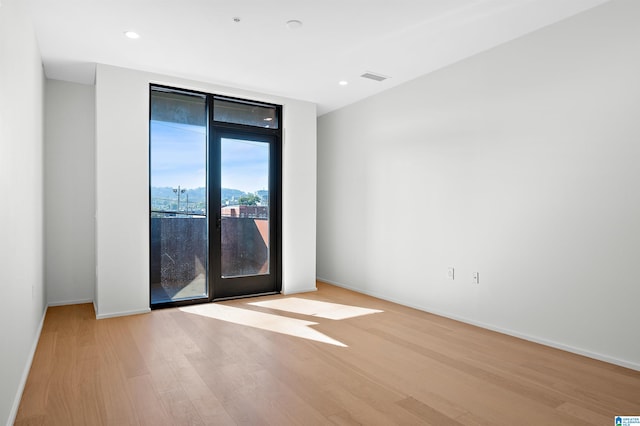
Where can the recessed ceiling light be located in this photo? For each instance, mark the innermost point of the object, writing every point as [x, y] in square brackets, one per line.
[132, 34]
[268, 119]
[294, 24]
[343, 82]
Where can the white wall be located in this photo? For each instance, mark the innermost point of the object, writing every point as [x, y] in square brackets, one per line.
[21, 208]
[520, 163]
[122, 179]
[69, 192]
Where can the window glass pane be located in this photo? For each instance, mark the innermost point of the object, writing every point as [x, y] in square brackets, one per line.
[249, 113]
[244, 207]
[176, 107]
[178, 179]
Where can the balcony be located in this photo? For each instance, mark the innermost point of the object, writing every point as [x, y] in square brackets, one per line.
[179, 250]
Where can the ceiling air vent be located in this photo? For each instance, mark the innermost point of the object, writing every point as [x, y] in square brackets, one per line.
[374, 76]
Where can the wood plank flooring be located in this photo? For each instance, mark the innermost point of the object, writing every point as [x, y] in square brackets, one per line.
[308, 363]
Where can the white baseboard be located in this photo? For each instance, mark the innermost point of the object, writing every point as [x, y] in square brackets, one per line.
[25, 374]
[300, 291]
[71, 302]
[561, 346]
[122, 314]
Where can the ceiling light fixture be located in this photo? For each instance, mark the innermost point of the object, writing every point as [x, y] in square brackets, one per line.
[131, 34]
[343, 82]
[268, 119]
[294, 24]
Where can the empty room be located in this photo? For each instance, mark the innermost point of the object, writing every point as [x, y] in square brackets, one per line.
[333, 212]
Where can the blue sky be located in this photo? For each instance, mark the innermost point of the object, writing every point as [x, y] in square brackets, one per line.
[179, 152]
[245, 165]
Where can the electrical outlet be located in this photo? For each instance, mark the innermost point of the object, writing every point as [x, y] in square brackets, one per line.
[450, 273]
[476, 278]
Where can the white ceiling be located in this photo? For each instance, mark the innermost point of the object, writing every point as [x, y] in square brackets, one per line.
[339, 39]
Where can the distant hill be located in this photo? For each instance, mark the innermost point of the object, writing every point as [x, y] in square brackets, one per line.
[196, 195]
[228, 194]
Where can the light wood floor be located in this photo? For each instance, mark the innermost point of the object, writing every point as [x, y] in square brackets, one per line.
[399, 366]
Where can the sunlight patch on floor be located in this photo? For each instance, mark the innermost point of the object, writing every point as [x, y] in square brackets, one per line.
[316, 308]
[276, 323]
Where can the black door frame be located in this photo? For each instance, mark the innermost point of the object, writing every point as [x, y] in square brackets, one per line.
[219, 287]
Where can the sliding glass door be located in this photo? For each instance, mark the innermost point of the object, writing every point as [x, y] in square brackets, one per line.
[214, 197]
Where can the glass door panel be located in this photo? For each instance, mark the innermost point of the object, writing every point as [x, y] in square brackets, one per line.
[178, 196]
[244, 211]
